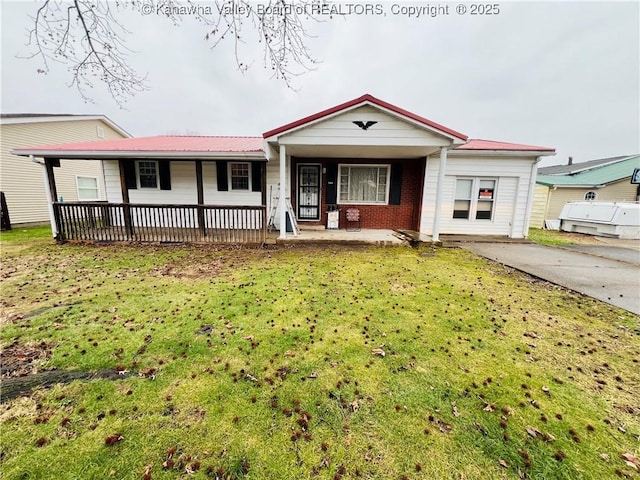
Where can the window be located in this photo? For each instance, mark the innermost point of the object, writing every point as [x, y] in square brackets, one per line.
[239, 173]
[147, 173]
[590, 195]
[462, 203]
[87, 188]
[486, 197]
[474, 198]
[364, 184]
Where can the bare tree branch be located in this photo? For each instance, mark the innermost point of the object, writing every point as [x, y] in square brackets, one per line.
[87, 36]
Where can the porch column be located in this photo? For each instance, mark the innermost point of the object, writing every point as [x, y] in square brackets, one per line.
[126, 210]
[423, 226]
[283, 190]
[51, 192]
[200, 190]
[263, 188]
[439, 192]
[532, 187]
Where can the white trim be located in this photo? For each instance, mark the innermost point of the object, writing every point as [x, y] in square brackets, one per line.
[97, 197]
[364, 165]
[530, 194]
[283, 192]
[65, 118]
[230, 177]
[439, 193]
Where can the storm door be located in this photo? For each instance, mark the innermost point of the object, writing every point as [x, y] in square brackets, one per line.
[308, 192]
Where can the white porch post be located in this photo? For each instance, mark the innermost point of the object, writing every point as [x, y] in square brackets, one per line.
[283, 191]
[532, 187]
[45, 176]
[435, 234]
[423, 207]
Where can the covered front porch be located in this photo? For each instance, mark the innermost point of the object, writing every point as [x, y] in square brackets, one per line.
[163, 189]
[363, 157]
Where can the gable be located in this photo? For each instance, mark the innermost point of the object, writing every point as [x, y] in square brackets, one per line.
[388, 129]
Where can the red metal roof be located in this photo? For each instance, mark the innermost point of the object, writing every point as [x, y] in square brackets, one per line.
[361, 100]
[477, 144]
[162, 143]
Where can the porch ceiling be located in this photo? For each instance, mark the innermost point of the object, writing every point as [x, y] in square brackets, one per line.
[353, 151]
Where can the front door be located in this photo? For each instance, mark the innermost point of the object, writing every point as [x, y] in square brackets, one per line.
[308, 191]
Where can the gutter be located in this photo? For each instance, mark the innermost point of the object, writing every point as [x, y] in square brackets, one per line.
[97, 155]
[45, 176]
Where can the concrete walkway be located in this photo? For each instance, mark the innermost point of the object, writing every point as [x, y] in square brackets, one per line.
[364, 236]
[614, 281]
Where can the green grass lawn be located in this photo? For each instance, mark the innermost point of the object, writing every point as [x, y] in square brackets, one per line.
[555, 237]
[267, 364]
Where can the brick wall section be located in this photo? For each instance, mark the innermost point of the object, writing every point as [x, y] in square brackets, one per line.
[403, 216]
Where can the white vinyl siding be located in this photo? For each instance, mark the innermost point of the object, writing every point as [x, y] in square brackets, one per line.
[363, 184]
[510, 197]
[183, 187]
[340, 130]
[22, 180]
[87, 188]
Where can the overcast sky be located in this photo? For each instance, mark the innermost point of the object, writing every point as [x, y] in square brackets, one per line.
[564, 75]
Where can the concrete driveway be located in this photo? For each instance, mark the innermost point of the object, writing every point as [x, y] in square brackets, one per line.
[608, 273]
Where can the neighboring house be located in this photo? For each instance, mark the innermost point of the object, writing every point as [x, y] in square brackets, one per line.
[398, 169]
[22, 181]
[602, 180]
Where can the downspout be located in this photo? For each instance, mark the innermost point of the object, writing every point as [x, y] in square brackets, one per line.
[45, 176]
[283, 189]
[532, 186]
[435, 234]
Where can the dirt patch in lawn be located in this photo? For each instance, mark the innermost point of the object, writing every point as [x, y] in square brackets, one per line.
[211, 268]
[19, 360]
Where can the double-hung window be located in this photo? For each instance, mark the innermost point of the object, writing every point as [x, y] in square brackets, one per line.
[364, 184]
[147, 173]
[474, 198]
[240, 175]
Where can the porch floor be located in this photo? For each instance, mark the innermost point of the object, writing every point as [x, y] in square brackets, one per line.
[342, 236]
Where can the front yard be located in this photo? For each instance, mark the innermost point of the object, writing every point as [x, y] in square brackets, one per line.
[308, 362]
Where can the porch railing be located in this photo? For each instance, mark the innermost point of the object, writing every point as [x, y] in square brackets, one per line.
[113, 222]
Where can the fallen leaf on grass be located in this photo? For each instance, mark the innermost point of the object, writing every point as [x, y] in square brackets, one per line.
[490, 407]
[113, 439]
[533, 431]
[631, 458]
[502, 463]
[454, 409]
[378, 351]
[625, 473]
[604, 457]
[480, 428]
